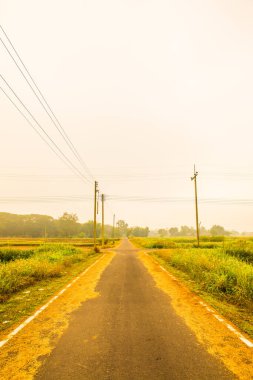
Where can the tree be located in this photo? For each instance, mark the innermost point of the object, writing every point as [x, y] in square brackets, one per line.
[138, 231]
[162, 232]
[173, 231]
[88, 229]
[68, 225]
[122, 227]
[187, 231]
[203, 231]
[217, 230]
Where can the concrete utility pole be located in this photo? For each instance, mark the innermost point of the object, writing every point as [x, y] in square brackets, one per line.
[194, 178]
[95, 214]
[113, 229]
[103, 219]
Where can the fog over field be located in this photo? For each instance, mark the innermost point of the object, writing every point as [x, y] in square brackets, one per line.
[144, 90]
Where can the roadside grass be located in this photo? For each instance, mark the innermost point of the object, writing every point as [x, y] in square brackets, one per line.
[220, 271]
[23, 269]
[226, 283]
[10, 254]
[27, 283]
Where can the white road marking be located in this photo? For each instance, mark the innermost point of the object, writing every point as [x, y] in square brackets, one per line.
[29, 319]
[231, 328]
[246, 341]
[219, 318]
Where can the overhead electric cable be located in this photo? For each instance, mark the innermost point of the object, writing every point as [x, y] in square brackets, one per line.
[81, 198]
[44, 131]
[29, 122]
[54, 119]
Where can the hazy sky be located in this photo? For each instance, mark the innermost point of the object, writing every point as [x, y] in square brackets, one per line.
[144, 89]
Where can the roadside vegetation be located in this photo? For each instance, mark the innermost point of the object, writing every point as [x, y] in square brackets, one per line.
[22, 268]
[221, 270]
[32, 270]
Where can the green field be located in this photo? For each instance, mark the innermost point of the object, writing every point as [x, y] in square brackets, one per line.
[221, 271]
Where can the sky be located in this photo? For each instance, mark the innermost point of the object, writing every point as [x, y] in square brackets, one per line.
[145, 90]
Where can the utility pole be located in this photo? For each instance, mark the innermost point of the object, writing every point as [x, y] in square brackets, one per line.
[113, 229]
[95, 214]
[194, 178]
[103, 219]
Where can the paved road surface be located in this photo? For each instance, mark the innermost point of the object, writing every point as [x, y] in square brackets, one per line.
[129, 332]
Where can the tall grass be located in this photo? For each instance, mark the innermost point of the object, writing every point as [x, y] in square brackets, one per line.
[10, 254]
[215, 272]
[45, 262]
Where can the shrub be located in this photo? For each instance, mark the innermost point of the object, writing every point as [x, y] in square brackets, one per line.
[9, 254]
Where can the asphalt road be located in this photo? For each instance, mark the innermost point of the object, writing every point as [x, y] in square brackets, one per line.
[129, 332]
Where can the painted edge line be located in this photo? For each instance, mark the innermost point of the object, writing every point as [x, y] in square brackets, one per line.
[32, 317]
[219, 318]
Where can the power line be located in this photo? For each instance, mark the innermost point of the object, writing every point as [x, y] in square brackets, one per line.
[39, 125]
[80, 198]
[29, 122]
[54, 119]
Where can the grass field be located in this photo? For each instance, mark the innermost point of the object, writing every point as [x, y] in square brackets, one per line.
[221, 270]
[32, 270]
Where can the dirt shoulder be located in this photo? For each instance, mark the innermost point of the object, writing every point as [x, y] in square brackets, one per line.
[210, 332]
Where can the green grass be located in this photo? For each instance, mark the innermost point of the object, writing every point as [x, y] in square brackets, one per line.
[10, 254]
[225, 282]
[20, 304]
[220, 271]
[32, 270]
[215, 272]
[21, 269]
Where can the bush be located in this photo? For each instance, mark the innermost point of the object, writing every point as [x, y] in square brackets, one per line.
[9, 254]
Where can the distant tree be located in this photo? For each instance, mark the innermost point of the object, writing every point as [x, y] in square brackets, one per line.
[138, 231]
[162, 232]
[217, 230]
[122, 228]
[173, 231]
[187, 231]
[88, 228]
[67, 225]
[203, 231]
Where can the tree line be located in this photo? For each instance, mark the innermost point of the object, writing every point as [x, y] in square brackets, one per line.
[36, 225]
[215, 230]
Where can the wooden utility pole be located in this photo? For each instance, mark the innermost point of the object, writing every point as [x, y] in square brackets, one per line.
[95, 215]
[113, 229]
[194, 178]
[103, 219]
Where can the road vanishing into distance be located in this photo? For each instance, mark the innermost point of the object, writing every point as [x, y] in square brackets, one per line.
[129, 332]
